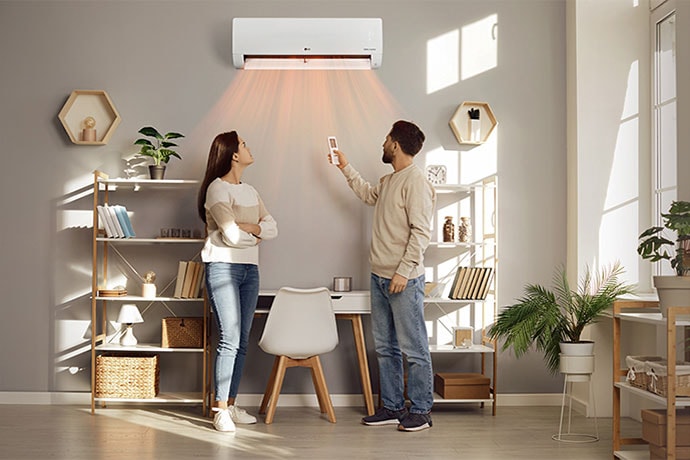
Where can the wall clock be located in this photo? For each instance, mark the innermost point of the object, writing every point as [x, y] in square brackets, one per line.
[436, 174]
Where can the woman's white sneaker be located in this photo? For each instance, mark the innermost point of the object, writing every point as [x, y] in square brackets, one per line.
[240, 416]
[222, 420]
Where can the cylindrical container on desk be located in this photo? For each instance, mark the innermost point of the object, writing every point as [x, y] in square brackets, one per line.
[342, 284]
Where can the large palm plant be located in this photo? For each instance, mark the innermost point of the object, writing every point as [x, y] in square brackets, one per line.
[543, 317]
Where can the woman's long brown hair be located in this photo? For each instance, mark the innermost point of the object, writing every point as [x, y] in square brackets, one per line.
[219, 164]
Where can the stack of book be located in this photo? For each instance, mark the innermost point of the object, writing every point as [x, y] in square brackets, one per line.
[471, 283]
[190, 275]
[115, 221]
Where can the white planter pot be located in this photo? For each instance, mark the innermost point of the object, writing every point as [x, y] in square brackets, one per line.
[583, 348]
[673, 291]
[576, 364]
[576, 360]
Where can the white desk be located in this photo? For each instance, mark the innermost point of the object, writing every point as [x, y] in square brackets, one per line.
[350, 306]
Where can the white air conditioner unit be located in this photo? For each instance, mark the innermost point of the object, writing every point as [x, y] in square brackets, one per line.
[307, 43]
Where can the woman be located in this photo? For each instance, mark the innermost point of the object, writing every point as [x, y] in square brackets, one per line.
[236, 222]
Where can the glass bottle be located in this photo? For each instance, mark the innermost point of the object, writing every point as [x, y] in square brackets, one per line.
[448, 230]
[465, 230]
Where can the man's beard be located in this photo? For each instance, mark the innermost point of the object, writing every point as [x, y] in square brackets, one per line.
[386, 158]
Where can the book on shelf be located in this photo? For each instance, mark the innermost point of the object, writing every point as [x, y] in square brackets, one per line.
[199, 282]
[192, 268]
[476, 289]
[115, 221]
[179, 281]
[123, 218]
[486, 284]
[470, 283]
[454, 283]
[110, 222]
[190, 275]
[454, 291]
[105, 223]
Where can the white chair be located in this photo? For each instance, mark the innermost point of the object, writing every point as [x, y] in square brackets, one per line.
[300, 326]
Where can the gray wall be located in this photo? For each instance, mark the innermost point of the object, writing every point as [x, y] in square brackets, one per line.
[167, 63]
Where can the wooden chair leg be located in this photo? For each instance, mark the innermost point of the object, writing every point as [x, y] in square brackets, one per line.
[267, 394]
[319, 397]
[275, 391]
[322, 388]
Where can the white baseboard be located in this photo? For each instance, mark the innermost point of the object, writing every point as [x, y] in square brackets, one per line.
[287, 400]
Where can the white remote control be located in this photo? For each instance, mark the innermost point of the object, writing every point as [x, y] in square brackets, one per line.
[332, 147]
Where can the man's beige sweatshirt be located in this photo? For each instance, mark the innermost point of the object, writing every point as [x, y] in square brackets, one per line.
[403, 208]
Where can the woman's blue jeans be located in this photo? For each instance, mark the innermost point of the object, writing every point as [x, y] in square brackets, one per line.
[233, 290]
[399, 328]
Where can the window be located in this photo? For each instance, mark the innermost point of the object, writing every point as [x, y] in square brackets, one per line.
[664, 151]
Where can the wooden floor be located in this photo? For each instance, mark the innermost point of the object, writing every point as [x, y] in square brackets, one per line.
[459, 432]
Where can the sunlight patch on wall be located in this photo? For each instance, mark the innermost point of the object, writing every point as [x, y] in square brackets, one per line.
[74, 218]
[623, 183]
[621, 204]
[442, 61]
[72, 337]
[617, 242]
[621, 213]
[481, 161]
[448, 158]
[479, 47]
[631, 104]
[77, 188]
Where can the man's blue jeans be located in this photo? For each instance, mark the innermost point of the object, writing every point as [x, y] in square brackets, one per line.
[233, 290]
[399, 328]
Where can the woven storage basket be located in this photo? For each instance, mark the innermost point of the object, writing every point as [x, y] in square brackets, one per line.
[637, 369]
[182, 332]
[658, 378]
[132, 376]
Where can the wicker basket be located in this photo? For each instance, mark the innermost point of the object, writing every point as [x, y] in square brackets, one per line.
[182, 332]
[638, 368]
[131, 376]
[658, 378]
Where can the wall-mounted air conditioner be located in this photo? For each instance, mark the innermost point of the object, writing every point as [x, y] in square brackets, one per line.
[307, 43]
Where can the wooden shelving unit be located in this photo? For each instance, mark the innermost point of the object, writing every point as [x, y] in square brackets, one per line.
[646, 312]
[102, 249]
[480, 251]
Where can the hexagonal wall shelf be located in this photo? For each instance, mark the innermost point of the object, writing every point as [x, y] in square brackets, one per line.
[89, 117]
[461, 124]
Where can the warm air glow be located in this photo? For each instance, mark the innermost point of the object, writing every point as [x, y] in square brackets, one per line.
[442, 61]
[306, 64]
[288, 114]
[479, 46]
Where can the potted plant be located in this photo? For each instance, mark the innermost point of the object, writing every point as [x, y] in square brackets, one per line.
[672, 290]
[159, 148]
[545, 318]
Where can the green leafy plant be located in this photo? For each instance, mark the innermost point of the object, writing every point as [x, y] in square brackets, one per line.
[544, 317]
[653, 243]
[159, 147]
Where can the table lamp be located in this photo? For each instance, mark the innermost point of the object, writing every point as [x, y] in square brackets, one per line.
[129, 314]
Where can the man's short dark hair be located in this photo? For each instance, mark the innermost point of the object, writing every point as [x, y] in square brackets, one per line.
[408, 135]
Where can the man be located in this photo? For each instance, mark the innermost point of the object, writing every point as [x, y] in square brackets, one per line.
[403, 207]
